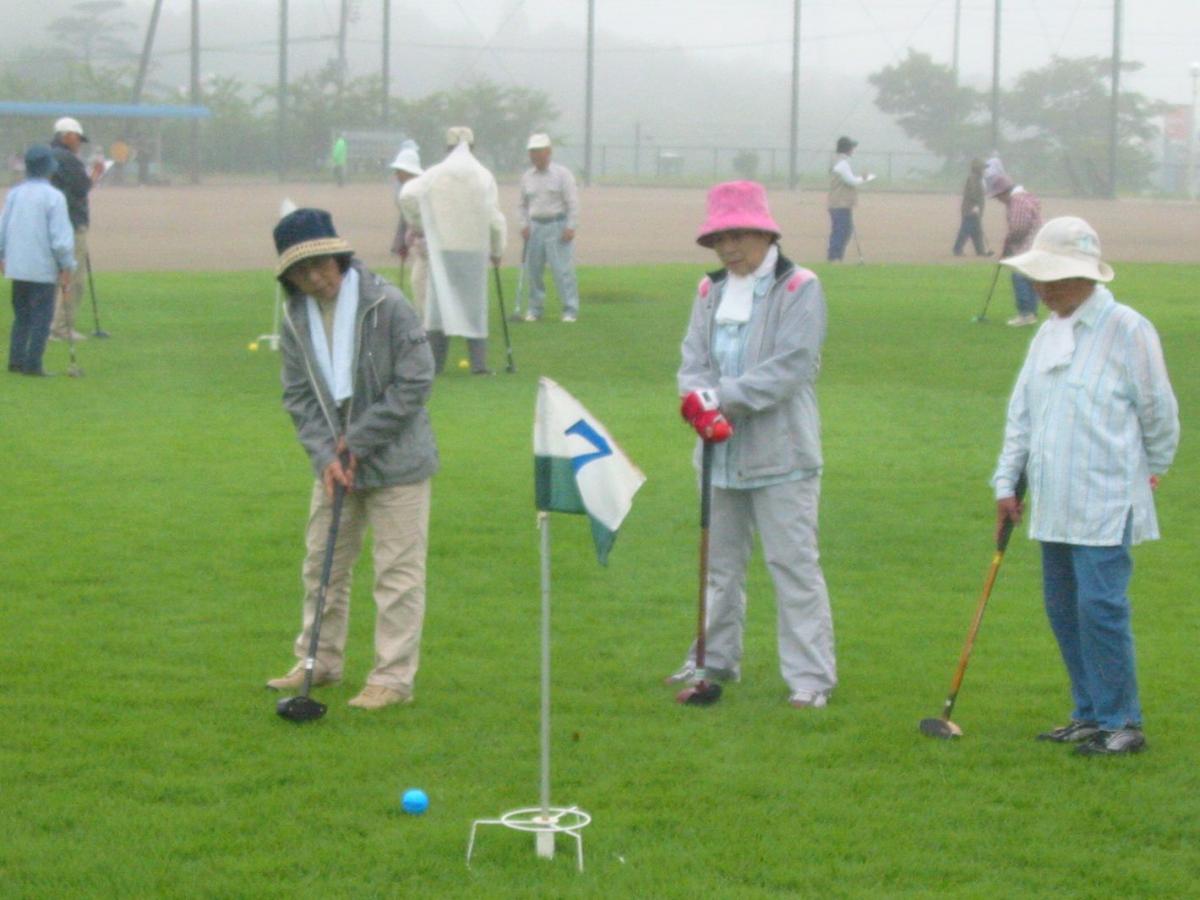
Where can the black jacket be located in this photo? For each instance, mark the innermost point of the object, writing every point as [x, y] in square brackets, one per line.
[73, 180]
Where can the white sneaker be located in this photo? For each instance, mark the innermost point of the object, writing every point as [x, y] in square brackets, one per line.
[567, 317]
[1019, 321]
[530, 317]
[808, 700]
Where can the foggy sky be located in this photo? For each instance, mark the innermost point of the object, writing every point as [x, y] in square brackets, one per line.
[683, 69]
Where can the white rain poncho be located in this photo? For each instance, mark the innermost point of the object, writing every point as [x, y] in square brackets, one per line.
[456, 205]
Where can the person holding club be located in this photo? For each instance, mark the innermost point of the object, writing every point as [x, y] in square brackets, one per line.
[750, 361]
[1023, 215]
[357, 374]
[1094, 423]
[409, 243]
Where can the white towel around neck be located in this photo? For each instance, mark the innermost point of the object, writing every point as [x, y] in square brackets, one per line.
[336, 369]
[1057, 343]
[737, 300]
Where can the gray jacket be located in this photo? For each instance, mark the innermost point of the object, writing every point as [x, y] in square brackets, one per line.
[385, 421]
[773, 404]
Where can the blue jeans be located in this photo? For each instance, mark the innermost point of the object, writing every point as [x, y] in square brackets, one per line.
[1085, 590]
[1026, 296]
[33, 310]
[841, 222]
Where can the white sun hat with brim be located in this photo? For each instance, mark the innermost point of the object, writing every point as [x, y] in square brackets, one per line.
[408, 159]
[538, 141]
[1066, 247]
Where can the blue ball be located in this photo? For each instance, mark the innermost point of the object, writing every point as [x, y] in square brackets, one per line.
[414, 802]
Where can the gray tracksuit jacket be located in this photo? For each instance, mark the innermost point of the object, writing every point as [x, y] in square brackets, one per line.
[773, 404]
[385, 421]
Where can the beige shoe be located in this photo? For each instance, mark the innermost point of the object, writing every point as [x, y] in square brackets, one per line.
[294, 680]
[376, 696]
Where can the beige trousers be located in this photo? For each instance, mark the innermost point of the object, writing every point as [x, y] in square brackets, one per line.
[399, 521]
[66, 307]
[420, 282]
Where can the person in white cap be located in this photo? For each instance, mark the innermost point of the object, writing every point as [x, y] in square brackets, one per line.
[455, 205]
[549, 214]
[409, 243]
[73, 179]
[1093, 424]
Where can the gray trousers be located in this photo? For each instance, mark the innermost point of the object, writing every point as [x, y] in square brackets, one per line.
[547, 246]
[439, 344]
[785, 517]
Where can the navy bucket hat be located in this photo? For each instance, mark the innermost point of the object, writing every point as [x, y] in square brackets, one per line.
[40, 161]
[305, 233]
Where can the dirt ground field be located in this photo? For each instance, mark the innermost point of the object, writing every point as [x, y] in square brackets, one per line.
[228, 226]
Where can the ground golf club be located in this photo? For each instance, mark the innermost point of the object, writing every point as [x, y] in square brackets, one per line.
[702, 692]
[982, 317]
[516, 313]
[511, 367]
[99, 332]
[942, 726]
[303, 708]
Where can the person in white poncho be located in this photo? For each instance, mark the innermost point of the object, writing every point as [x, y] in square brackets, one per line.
[455, 205]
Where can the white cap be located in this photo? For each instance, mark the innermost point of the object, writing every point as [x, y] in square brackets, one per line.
[539, 141]
[408, 159]
[67, 125]
[1066, 247]
[459, 134]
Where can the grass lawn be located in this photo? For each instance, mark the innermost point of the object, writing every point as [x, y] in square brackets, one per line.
[149, 584]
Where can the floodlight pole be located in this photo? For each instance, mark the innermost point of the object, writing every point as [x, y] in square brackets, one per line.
[195, 91]
[281, 123]
[792, 141]
[957, 32]
[1114, 133]
[996, 78]
[387, 38]
[587, 103]
[1190, 175]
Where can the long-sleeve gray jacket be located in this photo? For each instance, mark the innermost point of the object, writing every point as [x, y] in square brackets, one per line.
[386, 424]
[773, 404]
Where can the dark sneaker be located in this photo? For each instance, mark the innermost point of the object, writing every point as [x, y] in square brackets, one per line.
[1070, 734]
[1113, 743]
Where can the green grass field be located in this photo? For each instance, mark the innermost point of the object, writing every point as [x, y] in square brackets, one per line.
[149, 584]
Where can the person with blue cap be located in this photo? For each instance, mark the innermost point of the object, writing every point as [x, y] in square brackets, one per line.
[37, 251]
[357, 373]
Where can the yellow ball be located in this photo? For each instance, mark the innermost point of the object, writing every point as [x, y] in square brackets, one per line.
[253, 345]
[463, 364]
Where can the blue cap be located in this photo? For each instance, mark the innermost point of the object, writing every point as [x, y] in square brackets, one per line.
[40, 161]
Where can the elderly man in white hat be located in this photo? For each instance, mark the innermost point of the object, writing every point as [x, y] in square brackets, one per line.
[1093, 423]
[455, 205]
[73, 179]
[409, 243]
[549, 214]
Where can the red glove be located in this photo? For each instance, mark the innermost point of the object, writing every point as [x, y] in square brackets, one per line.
[701, 410]
[698, 402]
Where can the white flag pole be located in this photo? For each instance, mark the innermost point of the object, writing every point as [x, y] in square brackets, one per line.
[545, 839]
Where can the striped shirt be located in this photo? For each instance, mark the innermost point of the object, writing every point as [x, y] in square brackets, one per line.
[548, 195]
[1091, 418]
[1024, 220]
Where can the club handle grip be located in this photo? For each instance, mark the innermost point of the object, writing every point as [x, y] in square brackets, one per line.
[1007, 528]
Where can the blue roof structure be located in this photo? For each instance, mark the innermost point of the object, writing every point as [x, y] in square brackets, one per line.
[103, 110]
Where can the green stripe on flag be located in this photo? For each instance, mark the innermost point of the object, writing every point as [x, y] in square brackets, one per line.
[554, 485]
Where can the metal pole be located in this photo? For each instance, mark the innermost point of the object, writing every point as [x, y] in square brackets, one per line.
[1190, 174]
[387, 38]
[281, 126]
[792, 141]
[957, 33]
[587, 102]
[1114, 134]
[545, 841]
[343, 24]
[144, 61]
[195, 91]
[996, 78]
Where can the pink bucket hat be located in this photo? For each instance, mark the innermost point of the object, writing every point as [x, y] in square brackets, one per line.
[736, 205]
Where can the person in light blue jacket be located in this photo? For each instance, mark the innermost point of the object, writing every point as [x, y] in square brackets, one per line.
[37, 251]
[748, 375]
[1093, 423]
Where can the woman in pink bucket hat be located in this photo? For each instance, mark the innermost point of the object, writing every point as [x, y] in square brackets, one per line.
[747, 379]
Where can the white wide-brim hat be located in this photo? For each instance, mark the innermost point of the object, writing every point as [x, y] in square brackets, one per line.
[1066, 247]
[538, 141]
[408, 159]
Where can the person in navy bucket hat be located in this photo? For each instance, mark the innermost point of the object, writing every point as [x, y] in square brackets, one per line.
[357, 373]
[37, 251]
